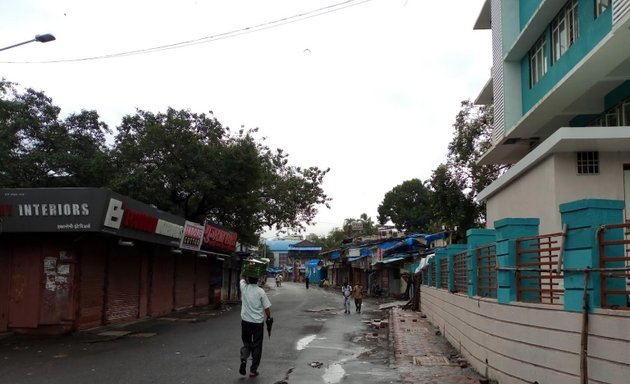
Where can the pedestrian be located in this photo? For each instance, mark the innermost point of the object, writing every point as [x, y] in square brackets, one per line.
[346, 290]
[307, 280]
[278, 280]
[357, 294]
[255, 305]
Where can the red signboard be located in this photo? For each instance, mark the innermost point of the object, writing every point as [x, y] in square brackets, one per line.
[217, 238]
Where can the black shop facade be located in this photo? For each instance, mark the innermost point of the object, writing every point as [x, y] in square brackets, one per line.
[78, 258]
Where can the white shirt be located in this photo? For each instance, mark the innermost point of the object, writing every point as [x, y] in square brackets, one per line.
[347, 291]
[254, 302]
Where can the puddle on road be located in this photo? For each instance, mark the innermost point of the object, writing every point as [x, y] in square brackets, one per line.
[334, 373]
[303, 342]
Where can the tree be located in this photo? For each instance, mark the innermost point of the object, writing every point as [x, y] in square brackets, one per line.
[408, 206]
[452, 208]
[191, 165]
[471, 139]
[367, 226]
[37, 149]
[332, 241]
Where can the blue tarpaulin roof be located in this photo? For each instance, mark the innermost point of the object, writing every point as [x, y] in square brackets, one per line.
[335, 255]
[312, 263]
[366, 252]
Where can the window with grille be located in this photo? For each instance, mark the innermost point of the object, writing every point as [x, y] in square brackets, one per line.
[601, 6]
[537, 61]
[588, 163]
[564, 30]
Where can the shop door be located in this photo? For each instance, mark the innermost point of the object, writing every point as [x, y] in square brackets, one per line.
[24, 287]
[123, 285]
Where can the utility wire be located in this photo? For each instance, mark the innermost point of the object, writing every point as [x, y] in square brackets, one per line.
[207, 39]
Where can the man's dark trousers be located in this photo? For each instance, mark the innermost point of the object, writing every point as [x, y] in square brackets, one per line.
[252, 335]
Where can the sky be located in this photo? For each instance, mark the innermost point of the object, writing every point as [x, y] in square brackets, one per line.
[367, 88]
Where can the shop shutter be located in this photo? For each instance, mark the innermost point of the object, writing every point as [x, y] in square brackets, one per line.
[5, 274]
[123, 284]
[92, 281]
[25, 286]
[162, 282]
[202, 282]
[184, 280]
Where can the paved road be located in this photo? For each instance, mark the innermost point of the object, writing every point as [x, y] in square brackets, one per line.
[313, 341]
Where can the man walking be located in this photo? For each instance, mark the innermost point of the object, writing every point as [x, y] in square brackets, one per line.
[255, 305]
[357, 293]
[346, 290]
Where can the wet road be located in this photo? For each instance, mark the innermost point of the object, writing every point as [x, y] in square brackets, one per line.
[313, 341]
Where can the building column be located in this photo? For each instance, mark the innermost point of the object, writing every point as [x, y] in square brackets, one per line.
[508, 230]
[475, 239]
[581, 251]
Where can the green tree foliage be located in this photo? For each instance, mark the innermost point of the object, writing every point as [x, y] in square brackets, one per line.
[334, 239]
[408, 206]
[191, 165]
[181, 162]
[37, 149]
[452, 209]
[368, 226]
[471, 139]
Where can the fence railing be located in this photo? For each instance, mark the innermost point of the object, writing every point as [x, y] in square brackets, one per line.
[486, 270]
[539, 278]
[614, 257]
[460, 272]
[443, 274]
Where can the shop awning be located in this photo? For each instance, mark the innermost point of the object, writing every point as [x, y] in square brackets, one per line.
[351, 259]
[392, 259]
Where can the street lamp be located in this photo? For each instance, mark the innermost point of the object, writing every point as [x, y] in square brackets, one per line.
[41, 38]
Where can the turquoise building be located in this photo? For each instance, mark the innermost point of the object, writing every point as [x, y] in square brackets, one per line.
[560, 86]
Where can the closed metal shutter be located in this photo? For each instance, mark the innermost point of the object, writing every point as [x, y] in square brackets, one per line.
[202, 283]
[25, 286]
[162, 282]
[184, 280]
[5, 274]
[92, 283]
[123, 284]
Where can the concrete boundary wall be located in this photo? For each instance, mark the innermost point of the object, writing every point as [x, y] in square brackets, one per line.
[526, 343]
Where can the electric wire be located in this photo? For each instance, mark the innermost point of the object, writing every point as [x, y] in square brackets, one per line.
[207, 39]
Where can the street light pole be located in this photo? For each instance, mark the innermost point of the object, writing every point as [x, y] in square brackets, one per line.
[41, 38]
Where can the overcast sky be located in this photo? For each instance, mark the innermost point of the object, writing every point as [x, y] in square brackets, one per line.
[368, 88]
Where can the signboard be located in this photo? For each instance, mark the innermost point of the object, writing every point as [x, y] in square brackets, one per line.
[51, 209]
[192, 236]
[216, 238]
[354, 252]
[86, 210]
[135, 220]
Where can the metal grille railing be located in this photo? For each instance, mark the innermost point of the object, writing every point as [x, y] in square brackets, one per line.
[433, 275]
[614, 264]
[443, 273]
[460, 272]
[539, 278]
[486, 270]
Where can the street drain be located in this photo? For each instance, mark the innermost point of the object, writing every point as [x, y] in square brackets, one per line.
[430, 360]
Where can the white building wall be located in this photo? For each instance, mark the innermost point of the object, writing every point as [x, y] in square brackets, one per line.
[554, 181]
[528, 197]
[525, 343]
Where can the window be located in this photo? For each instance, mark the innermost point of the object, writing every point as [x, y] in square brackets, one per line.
[564, 30]
[537, 61]
[601, 6]
[588, 163]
